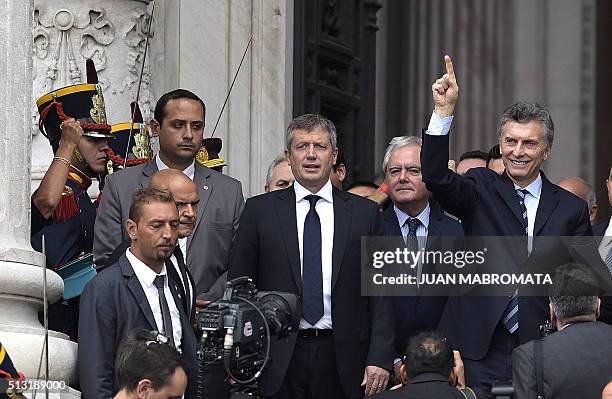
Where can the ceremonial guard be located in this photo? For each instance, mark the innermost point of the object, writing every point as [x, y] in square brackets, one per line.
[73, 118]
[11, 381]
[131, 143]
[209, 154]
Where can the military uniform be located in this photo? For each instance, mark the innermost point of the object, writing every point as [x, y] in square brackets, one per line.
[209, 154]
[69, 232]
[9, 376]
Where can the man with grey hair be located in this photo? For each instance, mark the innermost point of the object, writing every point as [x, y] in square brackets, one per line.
[279, 175]
[521, 202]
[412, 218]
[582, 189]
[305, 240]
[578, 352]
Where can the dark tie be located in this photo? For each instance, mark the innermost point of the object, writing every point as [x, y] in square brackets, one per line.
[609, 259]
[521, 194]
[412, 243]
[411, 239]
[167, 320]
[510, 317]
[312, 275]
[186, 291]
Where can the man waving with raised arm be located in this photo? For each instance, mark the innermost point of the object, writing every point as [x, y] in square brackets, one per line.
[519, 202]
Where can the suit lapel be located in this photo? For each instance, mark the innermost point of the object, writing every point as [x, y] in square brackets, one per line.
[390, 222]
[505, 188]
[136, 288]
[341, 231]
[176, 297]
[435, 227]
[548, 201]
[202, 181]
[149, 170]
[173, 273]
[285, 200]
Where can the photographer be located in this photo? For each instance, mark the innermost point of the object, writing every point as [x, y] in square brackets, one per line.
[575, 361]
[148, 366]
[430, 369]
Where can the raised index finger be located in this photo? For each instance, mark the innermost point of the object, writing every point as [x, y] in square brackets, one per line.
[449, 65]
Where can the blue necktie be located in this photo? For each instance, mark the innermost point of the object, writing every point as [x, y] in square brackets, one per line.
[411, 239]
[312, 275]
[510, 317]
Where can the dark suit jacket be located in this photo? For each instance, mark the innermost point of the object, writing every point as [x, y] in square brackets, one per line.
[173, 273]
[266, 249]
[606, 301]
[221, 203]
[598, 230]
[487, 205]
[112, 305]
[419, 313]
[424, 386]
[576, 363]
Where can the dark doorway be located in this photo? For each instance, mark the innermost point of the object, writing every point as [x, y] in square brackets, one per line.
[334, 73]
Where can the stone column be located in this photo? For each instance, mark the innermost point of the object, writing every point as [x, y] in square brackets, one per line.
[257, 113]
[21, 272]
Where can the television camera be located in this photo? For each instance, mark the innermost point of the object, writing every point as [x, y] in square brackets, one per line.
[237, 330]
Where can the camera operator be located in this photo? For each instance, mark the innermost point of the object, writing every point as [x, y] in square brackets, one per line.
[576, 359]
[430, 369]
[147, 366]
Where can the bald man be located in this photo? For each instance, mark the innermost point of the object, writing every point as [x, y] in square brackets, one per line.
[580, 188]
[607, 391]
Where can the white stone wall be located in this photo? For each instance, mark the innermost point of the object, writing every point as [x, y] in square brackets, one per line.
[212, 37]
[196, 45]
[111, 32]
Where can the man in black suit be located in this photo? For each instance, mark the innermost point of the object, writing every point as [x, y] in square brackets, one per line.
[603, 231]
[305, 239]
[603, 237]
[134, 292]
[576, 358]
[428, 370]
[520, 202]
[412, 218]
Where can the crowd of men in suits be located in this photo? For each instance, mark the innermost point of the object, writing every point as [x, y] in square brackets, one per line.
[170, 232]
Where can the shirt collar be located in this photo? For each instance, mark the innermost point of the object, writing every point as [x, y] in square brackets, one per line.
[189, 170]
[325, 192]
[144, 273]
[403, 216]
[535, 188]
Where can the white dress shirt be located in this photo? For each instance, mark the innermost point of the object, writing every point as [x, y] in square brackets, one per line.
[423, 228]
[146, 276]
[421, 231]
[325, 209]
[189, 170]
[606, 241]
[532, 200]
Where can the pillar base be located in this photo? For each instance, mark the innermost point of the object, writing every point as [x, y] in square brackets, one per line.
[21, 294]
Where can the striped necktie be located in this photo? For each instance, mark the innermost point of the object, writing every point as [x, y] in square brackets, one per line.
[510, 317]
